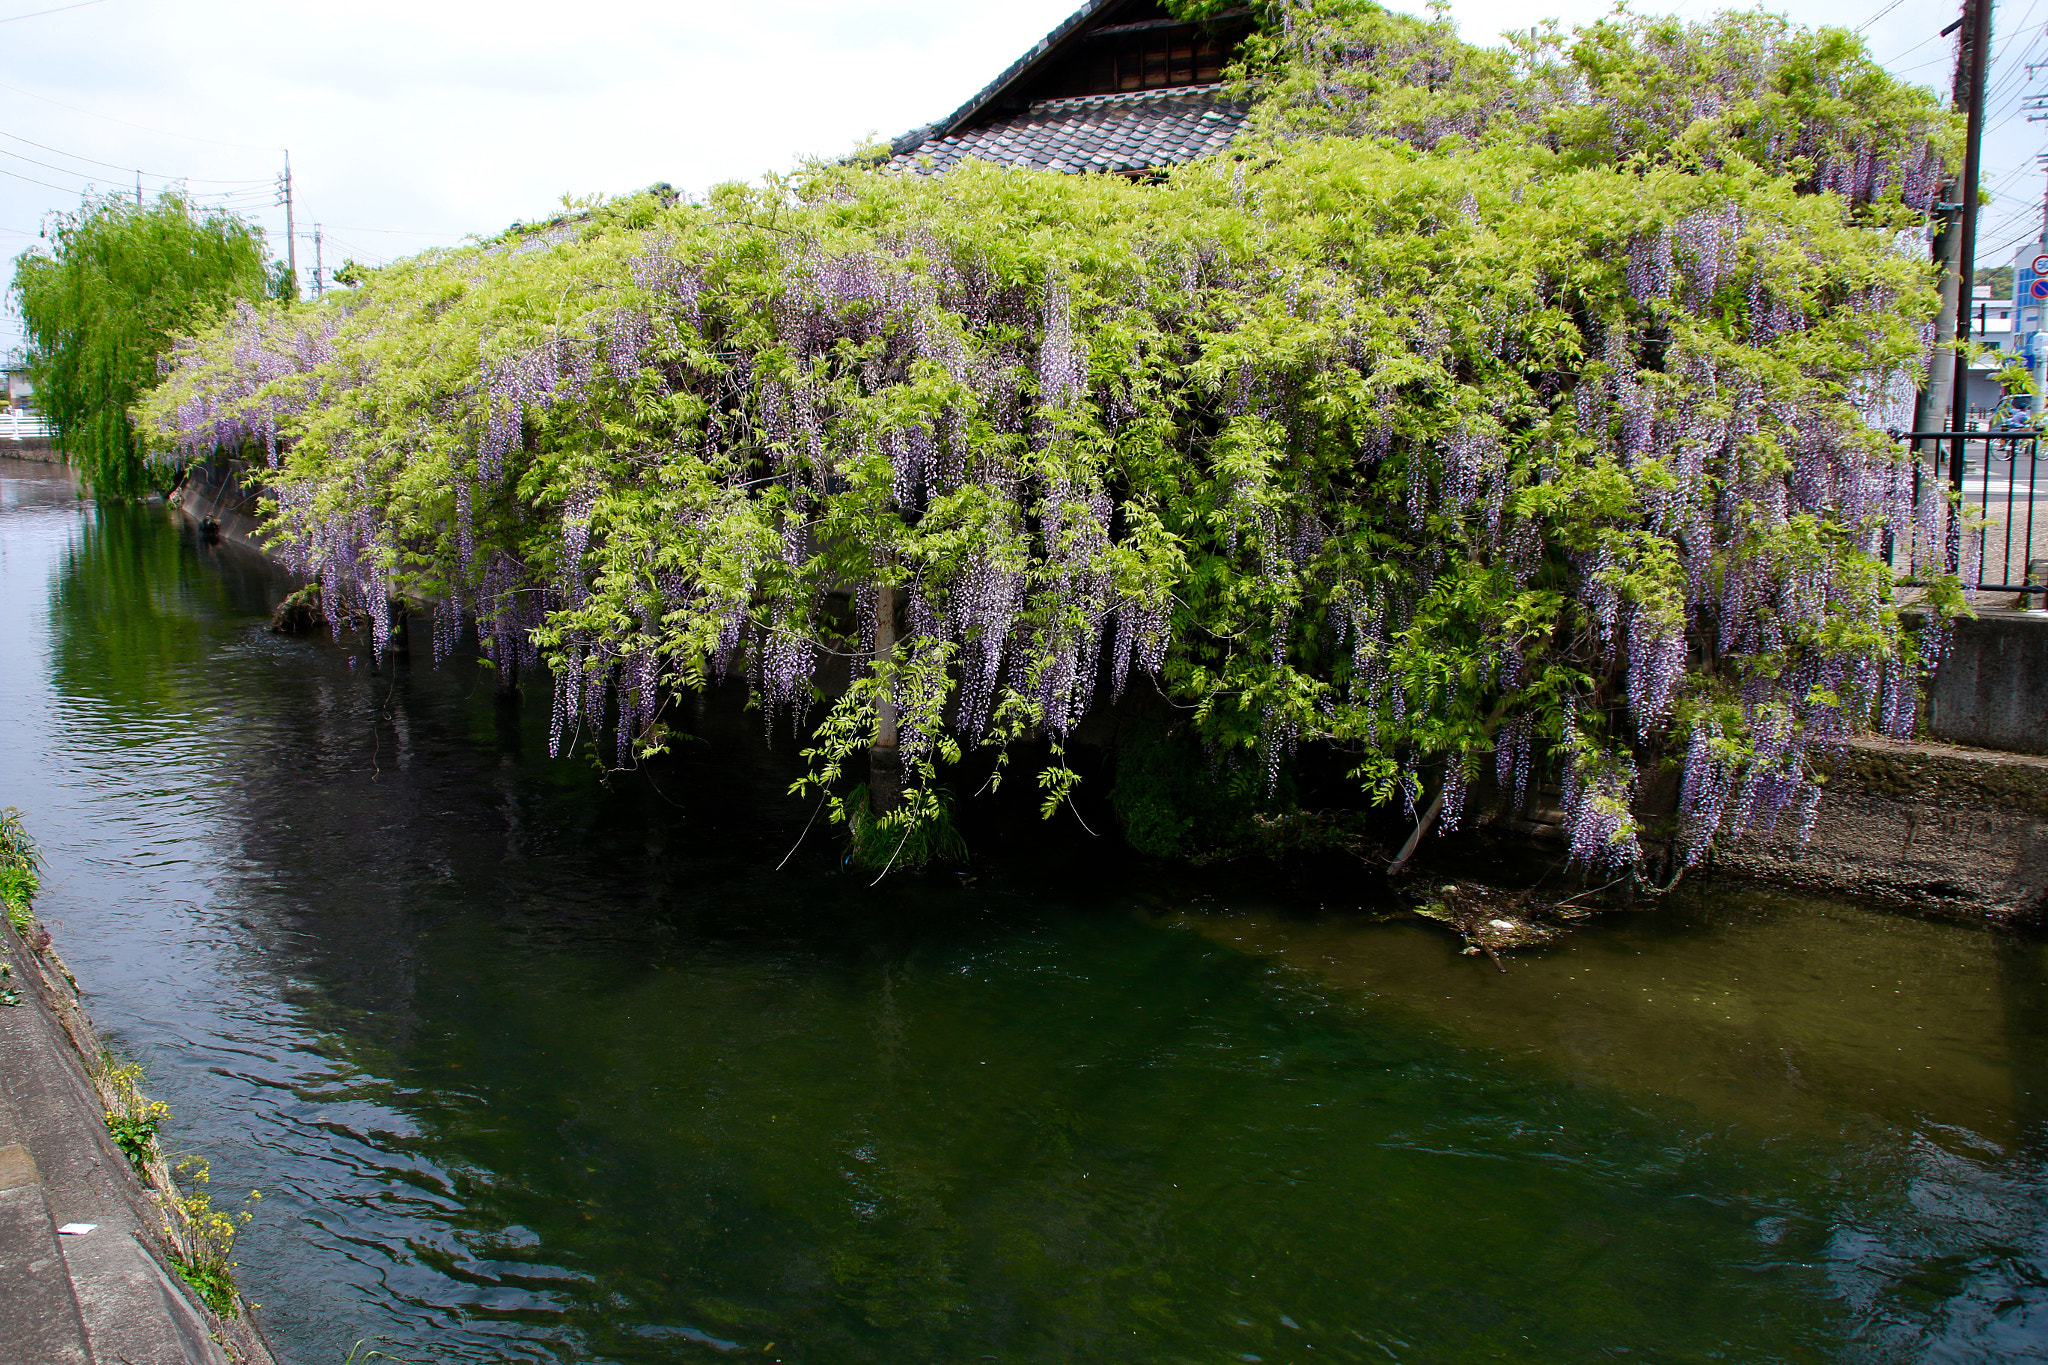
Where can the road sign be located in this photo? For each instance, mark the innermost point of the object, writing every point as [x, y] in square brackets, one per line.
[2039, 289]
[2039, 265]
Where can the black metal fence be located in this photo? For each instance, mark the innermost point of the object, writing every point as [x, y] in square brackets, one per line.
[1997, 476]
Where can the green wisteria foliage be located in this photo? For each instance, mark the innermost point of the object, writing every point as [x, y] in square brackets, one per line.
[1482, 410]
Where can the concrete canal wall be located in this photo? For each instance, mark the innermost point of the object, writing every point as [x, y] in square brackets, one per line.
[215, 496]
[1957, 832]
[36, 450]
[1992, 689]
[103, 1293]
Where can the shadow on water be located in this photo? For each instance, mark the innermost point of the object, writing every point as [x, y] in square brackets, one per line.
[534, 1065]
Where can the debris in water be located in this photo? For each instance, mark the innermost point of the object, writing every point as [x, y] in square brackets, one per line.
[1492, 920]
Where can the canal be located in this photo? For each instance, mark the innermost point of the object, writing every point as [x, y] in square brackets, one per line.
[531, 1066]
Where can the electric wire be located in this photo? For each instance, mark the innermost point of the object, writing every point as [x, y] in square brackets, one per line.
[92, 161]
[396, 232]
[37, 14]
[2009, 80]
[61, 189]
[49, 166]
[2002, 105]
[2004, 247]
[2012, 210]
[130, 123]
[1910, 51]
[2030, 214]
[1879, 15]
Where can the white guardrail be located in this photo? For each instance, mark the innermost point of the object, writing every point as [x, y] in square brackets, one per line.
[16, 425]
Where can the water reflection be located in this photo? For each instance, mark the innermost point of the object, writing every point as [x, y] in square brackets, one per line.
[1784, 1015]
[533, 1066]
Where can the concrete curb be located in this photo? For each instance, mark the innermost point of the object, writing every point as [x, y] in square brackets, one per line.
[110, 1296]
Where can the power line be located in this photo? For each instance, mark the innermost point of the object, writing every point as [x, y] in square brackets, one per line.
[2018, 212]
[397, 232]
[1915, 48]
[2019, 165]
[1879, 15]
[2013, 71]
[2008, 246]
[1933, 37]
[44, 183]
[37, 14]
[61, 170]
[2018, 72]
[129, 123]
[90, 161]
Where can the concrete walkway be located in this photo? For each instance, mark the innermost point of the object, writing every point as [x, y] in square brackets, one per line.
[105, 1296]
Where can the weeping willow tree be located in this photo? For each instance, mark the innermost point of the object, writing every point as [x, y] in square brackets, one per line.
[1484, 413]
[102, 303]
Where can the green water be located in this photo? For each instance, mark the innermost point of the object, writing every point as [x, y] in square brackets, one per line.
[534, 1067]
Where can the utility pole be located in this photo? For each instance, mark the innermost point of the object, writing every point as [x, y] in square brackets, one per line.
[2032, 348]
[291, 240]
[318, 287]
[1973, 56]
[138, 189]
[1931, 410]
[2041, 162]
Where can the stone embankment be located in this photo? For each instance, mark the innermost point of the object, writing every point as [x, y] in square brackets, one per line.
[213, 495]
[85, 1269]
[1955, 825]
[1938, 828]
[34, 449]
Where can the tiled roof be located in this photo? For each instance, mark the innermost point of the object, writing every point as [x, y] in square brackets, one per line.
[1039, 51]
[1132, 131]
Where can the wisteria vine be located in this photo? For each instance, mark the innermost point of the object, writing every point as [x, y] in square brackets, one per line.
[1476, 456]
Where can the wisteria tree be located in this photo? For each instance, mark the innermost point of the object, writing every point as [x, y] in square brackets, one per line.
[1483, 412]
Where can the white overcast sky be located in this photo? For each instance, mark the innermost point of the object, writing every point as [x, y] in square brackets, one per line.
[413, 123]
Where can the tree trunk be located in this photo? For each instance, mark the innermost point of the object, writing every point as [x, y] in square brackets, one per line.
[885, 764]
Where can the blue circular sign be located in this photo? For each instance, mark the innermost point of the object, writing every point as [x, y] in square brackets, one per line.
[2039, 289]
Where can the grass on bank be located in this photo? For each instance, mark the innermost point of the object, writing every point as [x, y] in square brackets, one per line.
[20, 864]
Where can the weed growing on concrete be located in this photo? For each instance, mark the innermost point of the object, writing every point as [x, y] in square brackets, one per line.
[132, 1119]
[207, 1262]
[19, 864]
[202, 1237]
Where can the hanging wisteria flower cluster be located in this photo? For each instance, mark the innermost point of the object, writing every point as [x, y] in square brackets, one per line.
[1488, 466]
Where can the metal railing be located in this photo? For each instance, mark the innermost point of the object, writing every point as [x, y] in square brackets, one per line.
[16, 425]
[1996, 476]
